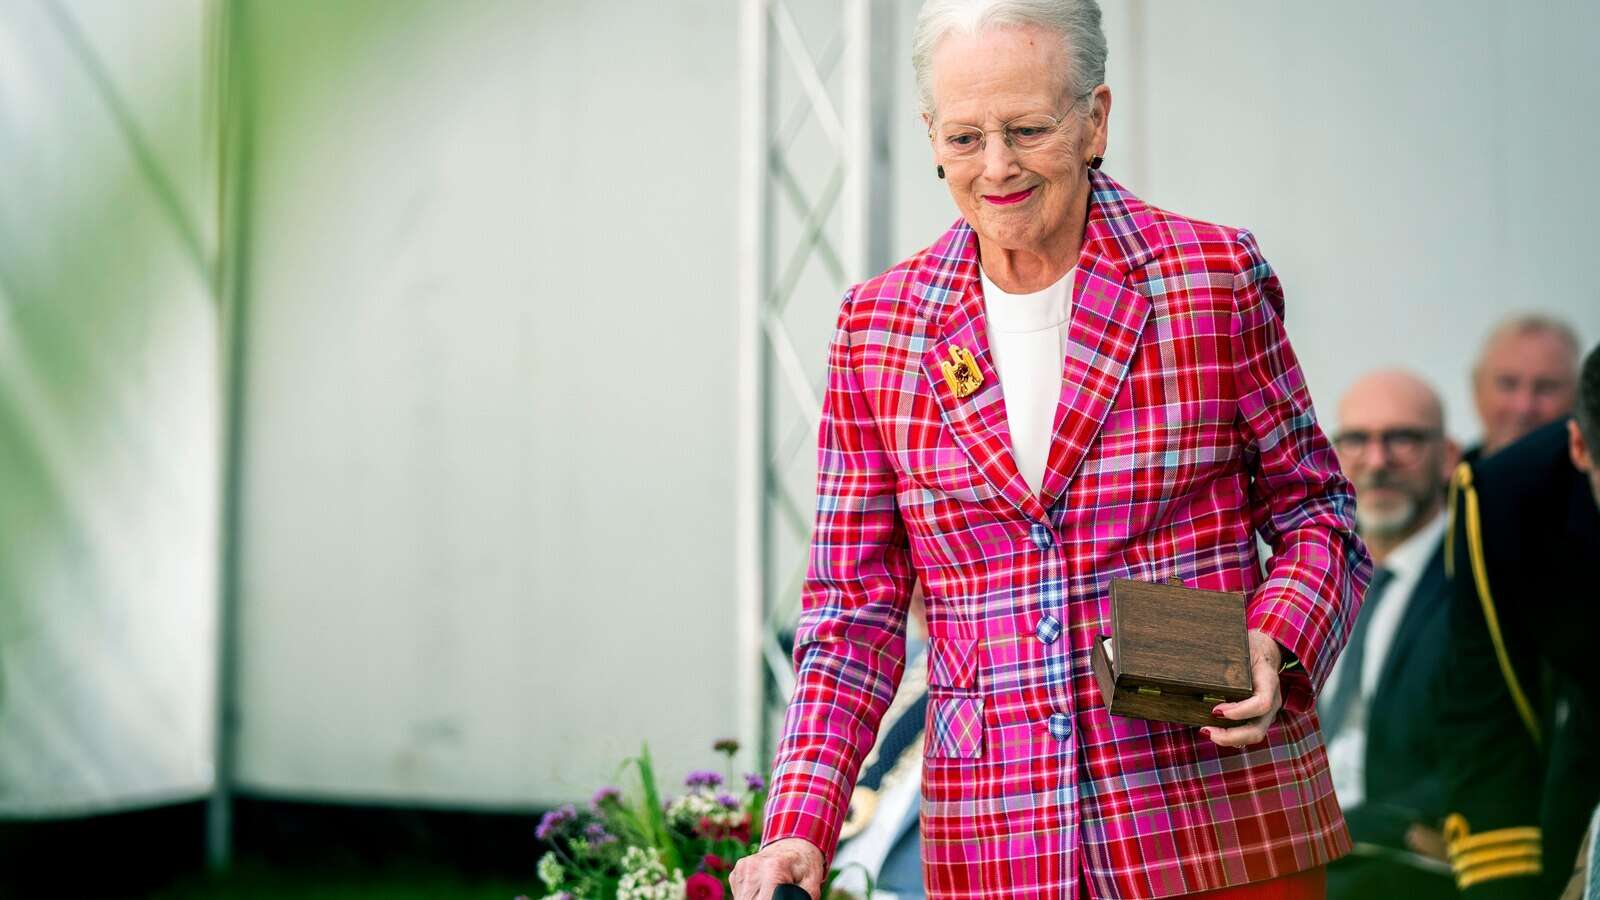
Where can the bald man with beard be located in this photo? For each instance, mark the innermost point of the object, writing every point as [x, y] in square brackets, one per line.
[1383, 752]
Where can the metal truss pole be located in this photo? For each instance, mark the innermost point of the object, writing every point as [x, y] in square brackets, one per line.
[753, 277]
[772, 515]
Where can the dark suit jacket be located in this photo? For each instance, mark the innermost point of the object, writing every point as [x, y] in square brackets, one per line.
[1403, 751]
[1530, 764]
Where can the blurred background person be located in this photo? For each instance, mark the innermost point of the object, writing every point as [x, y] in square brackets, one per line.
[1518, 699]
[1525, 376]
[1384, 755]
[881, 838]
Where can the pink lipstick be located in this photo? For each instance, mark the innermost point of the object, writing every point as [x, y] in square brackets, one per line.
[1008, 199]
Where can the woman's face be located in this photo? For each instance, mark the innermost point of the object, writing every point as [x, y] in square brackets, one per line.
[1015, 201]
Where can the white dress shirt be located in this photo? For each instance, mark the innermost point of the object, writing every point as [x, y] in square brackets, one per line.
[1347, 752]
[1028, 338]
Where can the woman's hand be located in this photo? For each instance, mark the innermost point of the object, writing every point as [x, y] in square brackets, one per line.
[1255, 713]
[789, 861]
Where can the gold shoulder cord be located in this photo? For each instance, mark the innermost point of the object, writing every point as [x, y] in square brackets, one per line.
[1461, 487]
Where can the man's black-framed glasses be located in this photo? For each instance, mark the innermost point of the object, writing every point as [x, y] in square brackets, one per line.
[1399, 444]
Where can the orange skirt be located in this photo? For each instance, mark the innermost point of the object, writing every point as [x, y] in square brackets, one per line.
[1312, 884]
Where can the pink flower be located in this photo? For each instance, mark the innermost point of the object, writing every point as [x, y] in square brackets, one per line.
[703, 886]
[713, 862]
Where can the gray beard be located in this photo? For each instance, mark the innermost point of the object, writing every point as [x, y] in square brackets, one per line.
[1388, 524]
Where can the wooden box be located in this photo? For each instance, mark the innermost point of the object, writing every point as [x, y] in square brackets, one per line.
[1173, 654]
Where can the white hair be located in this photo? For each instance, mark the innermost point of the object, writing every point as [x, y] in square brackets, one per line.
[1076, 21]
[1525, 323]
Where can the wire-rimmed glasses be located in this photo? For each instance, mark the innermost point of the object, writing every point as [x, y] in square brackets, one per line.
[1023, 135]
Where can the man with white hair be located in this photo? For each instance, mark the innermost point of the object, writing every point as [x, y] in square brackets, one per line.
[1521, 704]
[1526, 376]
[1384, 754]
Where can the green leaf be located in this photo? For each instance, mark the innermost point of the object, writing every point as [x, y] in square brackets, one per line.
[654, 816]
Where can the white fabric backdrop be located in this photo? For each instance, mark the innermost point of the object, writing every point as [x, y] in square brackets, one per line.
[108, 408]
[488, 497]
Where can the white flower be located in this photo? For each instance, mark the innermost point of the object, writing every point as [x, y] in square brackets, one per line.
[645, 877]
[643, 860]
[550, 871]
[687, 811]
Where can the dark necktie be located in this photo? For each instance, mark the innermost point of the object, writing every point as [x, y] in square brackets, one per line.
[1347, 692]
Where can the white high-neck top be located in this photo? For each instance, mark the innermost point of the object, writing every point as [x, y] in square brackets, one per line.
[1028, 338]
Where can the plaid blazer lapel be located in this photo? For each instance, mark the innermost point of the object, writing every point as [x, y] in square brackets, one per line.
[950, 298]
[1108, 315]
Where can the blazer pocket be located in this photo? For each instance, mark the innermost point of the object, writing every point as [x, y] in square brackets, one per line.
[955, 726]
[953, 662]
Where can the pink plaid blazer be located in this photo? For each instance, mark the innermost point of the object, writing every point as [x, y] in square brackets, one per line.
[1184, 429]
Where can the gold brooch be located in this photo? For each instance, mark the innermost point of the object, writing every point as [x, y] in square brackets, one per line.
[961, 372]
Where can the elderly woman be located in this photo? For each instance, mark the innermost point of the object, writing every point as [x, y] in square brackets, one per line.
[1068, 386]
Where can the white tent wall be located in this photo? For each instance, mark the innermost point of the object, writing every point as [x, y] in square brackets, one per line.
[489, 420]
[109, 413]
[1413, 171]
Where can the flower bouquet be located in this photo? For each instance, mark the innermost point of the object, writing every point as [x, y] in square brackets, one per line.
[645, 847]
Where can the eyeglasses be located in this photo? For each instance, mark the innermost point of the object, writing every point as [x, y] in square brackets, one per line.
[1402, 445]
[1023, 135]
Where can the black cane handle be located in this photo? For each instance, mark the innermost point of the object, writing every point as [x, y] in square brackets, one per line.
[790, 892]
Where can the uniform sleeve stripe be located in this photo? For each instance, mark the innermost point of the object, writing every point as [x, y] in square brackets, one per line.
[1523, 835]
[1465, 880]
[1477, 858]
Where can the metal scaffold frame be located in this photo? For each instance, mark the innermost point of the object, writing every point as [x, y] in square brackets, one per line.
[772, 517]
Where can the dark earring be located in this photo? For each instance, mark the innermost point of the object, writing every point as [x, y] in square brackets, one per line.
[939, 170]
[1095, 161]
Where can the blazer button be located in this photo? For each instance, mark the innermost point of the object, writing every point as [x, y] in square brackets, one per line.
[1041, 536]
[1048, 629]
[1060, 726]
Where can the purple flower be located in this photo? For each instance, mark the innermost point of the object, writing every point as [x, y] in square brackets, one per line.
[728, 801]
[754, 782]
[553, 820]
[703, 778]
[605, 794]
[598, 835]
